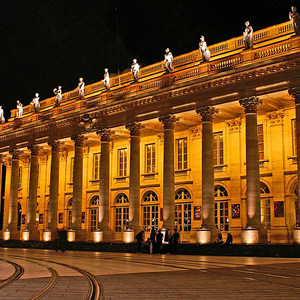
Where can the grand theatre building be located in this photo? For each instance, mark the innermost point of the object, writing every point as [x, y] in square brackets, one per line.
[209, 147]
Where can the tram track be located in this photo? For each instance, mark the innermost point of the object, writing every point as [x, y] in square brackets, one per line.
[19, 271]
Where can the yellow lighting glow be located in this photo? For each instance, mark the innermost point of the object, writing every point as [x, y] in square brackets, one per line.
[97, 236]
[203, 236]
[128, 236]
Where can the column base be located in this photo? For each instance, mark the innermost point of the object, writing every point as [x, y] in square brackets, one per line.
[128, 236]
[250, 235]
[6, 235]
[98, 236]
[203, 236]
[76, 235]
[48, 235]
[30, 235]
[296, 235]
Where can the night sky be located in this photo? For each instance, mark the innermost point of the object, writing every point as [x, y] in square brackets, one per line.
[49, 43]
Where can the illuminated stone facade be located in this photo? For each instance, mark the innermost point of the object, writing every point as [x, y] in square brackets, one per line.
[211, 146]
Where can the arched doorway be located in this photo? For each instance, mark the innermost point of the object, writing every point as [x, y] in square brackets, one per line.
[69, 213]
[265, 205]
[221, 208]
[150, 211]
[183, 210]
[121, 212]
[94, 213]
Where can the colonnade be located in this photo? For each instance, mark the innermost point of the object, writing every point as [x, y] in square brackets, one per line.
[253, 229]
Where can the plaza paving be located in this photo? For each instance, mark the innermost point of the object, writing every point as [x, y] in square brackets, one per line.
[46, 274]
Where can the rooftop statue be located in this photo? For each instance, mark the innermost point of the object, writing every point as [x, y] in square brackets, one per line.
[295, 20]
[35, 103]
[168, 62]
[2, 119]
[80, 88]
[106, 79]
[58, 94]
[205, 53]
[19, 109]
[135, 70]
[248, 36]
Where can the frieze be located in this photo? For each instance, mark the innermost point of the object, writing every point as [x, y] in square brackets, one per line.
[234, 125]
[276, 117]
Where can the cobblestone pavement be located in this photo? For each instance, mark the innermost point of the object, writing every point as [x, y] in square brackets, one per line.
[46, 274]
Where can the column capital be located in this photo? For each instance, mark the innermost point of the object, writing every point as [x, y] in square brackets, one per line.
[55, 145]
[250, 104]
[295, 93]
[207, 113]
[105, 134]
[2, 157]
[34, 149]
[169, 121]
[15, 154]
[79, 140]
[134, 128]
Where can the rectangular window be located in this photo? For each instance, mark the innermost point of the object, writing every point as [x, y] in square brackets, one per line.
[122, 217]
[150, 158]
[72, 169]
[221, 215]
[260, 137]
[218, 148]
[122, 162]
[181, 149]
[183, 216]
[94, 219]
[150, 217]
[294, 136]
[265, 212]
[96, 166]
[20, 178]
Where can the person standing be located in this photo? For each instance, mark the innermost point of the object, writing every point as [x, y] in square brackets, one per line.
[159, 239]
[153, 240]
[140, 238]
[176, 238]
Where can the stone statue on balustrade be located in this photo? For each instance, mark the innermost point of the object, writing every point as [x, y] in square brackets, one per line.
[58, 95]
[106, 79]
[248, 36]
[205, 53]
[2, 119]
[19, 110]
[35, 103]
[295, 20]
[80, 88]
[135, 70]
[168, 62]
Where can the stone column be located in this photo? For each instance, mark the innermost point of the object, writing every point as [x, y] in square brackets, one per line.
[250, 105]
[32, 198]
[8, 164]
[105, 135]
[168, 172]
[54, 185]
[208, 199]
[77, 184]
[13, 200]
[295, 93]
[134, 179]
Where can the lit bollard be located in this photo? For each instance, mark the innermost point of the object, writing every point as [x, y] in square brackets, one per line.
[249, 235]
[71, 235]
[128, 236]
[47, 235]
[296, 235]
[25, 235]
[6, 235]
[97, 236]
[203, 236]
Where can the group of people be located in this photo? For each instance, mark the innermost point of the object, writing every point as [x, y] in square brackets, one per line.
[219, 240]
[160, 241]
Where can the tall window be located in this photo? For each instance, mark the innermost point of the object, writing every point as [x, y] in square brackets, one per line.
[265, 205]
[150, 158]
[260, 137]
[181, 149]
[218, 149]
[94, 210]
[96, 166]
[183, 210]
[20, 178]
[221, 208]
[72, 169]
[294, 136]
[69, 214]
[150, 211]
[122, 162]
[122, 212]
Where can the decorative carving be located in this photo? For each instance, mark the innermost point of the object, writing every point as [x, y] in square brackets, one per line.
[44, 158]
[15, 154]
[34, 149]
[251, 104]
[168, 121]
[86, 151]
[205, 53]
[234, 124]
[105, 134]
[196, 132]
[35, 103]
[58, 95]
[79, 140]
[168, 62]
[88, 123]
[135, 69]
[295, 20]
[7, 162]
[26, 161]
[276, 117]
[55, 145]
[295, 93]
[248, 36]
[80, 88]
[134, 128]
[207, 113]
[63, 155]
[106, 79]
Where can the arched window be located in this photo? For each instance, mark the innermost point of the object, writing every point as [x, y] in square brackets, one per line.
[295, 198]
[150, 211]
[121, 212]
[19, 215]
[69, 213]
[221, 208]
[183, 210]
[265, 206]
[94, 212]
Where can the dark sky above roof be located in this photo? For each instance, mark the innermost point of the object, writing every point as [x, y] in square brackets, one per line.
[46, 43]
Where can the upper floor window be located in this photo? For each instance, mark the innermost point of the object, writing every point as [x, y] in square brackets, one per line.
[72, 169]
[122, 162]
[150, 151]
[181, 153]
[96, 166]
[294, 136]
[260, 138]
[218, 148]
[20, 177]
